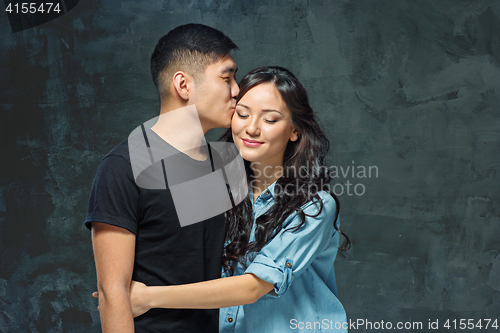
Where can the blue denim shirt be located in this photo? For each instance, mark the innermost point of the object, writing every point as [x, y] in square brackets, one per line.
[300, 266]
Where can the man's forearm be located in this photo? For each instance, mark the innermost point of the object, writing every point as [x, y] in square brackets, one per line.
[114, 256]
[116, 312]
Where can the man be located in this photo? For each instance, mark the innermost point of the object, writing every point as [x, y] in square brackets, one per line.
[136, 232]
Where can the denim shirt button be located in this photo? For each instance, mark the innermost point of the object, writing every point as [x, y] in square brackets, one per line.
[230, 319]
[288, 265]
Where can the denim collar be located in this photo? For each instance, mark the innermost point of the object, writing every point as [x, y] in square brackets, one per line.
[266, 194]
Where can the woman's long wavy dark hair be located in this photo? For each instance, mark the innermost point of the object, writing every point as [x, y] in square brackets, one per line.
[307, 155]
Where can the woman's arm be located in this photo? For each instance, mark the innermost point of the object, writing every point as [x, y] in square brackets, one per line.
[213, 294]
[290, 253]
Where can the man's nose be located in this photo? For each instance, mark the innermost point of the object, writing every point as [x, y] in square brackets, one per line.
[235, 89]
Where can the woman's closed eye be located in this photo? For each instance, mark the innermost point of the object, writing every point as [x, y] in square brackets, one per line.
[241, 115]
[244, 116]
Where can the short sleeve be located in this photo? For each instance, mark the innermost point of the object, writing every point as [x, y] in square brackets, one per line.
[114, 196]
[290, 253]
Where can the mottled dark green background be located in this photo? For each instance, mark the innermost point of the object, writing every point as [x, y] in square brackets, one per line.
[412, 87]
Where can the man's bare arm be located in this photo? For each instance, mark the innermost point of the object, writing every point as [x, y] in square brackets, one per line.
[114, 250]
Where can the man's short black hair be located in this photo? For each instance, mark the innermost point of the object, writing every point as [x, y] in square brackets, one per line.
[190, 48]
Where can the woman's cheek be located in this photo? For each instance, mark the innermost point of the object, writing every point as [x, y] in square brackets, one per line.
[236, 126]
[234, 123]
[235, 131]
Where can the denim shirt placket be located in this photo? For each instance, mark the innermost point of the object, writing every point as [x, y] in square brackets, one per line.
[259, 207]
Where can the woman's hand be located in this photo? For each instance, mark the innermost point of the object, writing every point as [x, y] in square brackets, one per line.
[139, 298]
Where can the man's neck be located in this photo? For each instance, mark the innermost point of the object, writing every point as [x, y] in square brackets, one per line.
[182, 129]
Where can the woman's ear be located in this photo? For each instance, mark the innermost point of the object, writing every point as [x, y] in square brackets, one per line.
[295, 135]
[182, 84]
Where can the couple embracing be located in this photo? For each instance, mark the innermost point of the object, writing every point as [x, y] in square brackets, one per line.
[267, 263]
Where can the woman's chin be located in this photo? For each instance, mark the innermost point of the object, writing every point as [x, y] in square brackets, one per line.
[251, 159]
[249, 156]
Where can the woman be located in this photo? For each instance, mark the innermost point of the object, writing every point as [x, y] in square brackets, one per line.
[281, 241]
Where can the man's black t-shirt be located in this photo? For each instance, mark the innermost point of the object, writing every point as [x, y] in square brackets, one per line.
[165, 253]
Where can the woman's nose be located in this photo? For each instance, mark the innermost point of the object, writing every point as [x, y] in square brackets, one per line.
[253, 128]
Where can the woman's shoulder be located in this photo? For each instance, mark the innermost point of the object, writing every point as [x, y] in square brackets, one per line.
[327, 205]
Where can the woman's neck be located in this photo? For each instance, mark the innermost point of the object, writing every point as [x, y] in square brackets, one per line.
[264, 174]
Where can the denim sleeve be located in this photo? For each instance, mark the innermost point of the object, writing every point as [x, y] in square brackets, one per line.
[289, 253]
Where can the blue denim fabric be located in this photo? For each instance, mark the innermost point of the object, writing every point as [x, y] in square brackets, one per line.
[300, 265]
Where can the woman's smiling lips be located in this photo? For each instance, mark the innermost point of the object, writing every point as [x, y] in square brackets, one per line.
[251, 143]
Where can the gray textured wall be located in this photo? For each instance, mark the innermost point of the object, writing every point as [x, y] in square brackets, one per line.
[411, 87]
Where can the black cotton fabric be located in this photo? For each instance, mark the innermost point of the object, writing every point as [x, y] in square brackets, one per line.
[165, 253]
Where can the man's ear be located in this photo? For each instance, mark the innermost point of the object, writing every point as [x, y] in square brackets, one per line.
[182, 84]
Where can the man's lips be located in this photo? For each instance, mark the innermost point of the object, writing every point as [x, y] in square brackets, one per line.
[251, 143]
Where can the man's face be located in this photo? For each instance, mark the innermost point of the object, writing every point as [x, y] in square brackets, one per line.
[214, 97]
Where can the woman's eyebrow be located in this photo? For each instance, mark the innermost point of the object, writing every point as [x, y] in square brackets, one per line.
[242, 105]
[263, 110]
[271, 110]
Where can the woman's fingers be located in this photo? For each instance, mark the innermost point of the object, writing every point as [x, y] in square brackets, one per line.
[96, 295]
